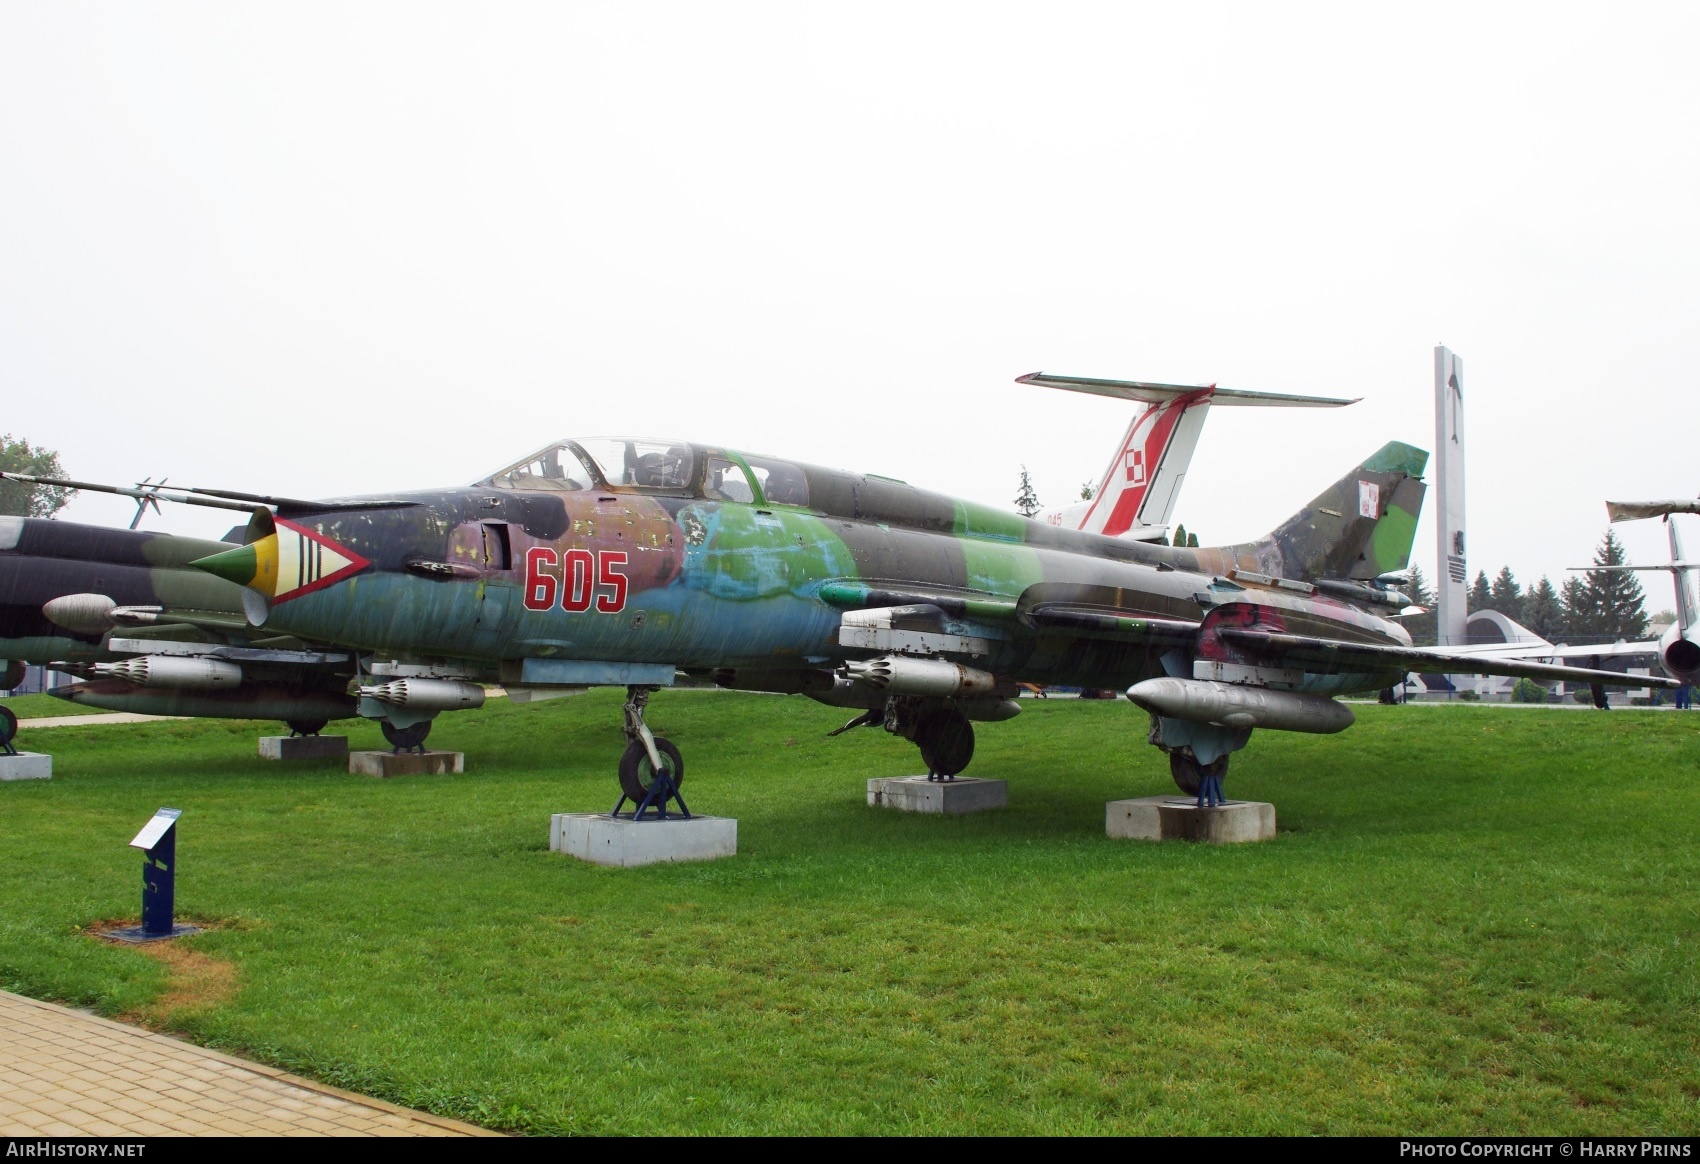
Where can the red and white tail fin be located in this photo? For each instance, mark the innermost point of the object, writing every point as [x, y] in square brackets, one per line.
[1136, 496]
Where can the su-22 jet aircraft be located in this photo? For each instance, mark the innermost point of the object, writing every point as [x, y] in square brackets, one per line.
[619, 561]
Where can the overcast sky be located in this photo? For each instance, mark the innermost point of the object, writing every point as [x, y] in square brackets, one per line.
[318, 249]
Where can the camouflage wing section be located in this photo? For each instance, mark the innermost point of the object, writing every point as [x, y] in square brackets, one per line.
[1107, 612]
[1331, 655]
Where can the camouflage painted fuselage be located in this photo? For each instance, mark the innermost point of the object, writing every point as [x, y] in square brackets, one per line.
[680, 578]
[41, 560]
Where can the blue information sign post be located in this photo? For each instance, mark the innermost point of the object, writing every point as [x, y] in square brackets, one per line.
[158, 843]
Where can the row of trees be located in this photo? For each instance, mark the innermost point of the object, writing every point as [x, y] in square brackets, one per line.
[1598, 606]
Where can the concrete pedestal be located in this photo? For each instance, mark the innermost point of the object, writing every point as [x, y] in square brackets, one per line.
[303, 747]
[605, 840]
[386, 764]
[1178, 818]
[26, 766]
[950, 797]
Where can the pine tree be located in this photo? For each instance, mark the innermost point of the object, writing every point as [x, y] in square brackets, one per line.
[1180, 536]
[1192, 541]
[1481, 598]
[1026, 500]
[1615, 595]
[1421, 626]
[1507, 595]
[1543, 612]
[1579, 622]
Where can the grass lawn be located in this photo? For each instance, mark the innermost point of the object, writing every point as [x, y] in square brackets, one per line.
[1474, 919]
[45, 706]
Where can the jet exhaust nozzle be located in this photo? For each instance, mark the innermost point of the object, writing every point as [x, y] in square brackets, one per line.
[1235, 706]
[426, 694]
[171, 671]
[85, 614]
[900, 675]
[1680, 655]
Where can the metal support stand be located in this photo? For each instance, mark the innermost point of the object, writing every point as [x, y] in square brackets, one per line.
[158, 842]
[661, 790]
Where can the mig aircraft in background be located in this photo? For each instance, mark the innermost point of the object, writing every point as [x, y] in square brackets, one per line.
[1135, 497]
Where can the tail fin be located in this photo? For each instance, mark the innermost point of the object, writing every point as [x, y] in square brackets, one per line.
[1360, 527]
[1685, 613]
[1136, 495]
[1144, 477]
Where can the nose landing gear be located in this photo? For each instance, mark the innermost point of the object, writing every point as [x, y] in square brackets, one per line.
[651, 768]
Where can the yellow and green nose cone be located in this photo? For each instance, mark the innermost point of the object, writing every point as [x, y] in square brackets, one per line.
[253, 566]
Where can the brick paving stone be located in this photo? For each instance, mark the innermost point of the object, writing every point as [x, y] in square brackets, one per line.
[70, 1073]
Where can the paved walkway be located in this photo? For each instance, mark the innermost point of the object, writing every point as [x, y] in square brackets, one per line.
[66, 1073]
[97, 717]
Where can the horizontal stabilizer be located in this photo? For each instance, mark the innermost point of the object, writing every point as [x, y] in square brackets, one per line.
[1633, 510]
[1150, 393]
[1318, 654]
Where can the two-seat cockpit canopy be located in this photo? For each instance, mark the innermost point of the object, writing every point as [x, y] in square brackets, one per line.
[636, 464]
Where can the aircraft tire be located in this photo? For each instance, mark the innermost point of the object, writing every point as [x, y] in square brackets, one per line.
[946, 739]
[1189, 773]
[412, 736]
[307, 727]
[8, 725]
[636, 771]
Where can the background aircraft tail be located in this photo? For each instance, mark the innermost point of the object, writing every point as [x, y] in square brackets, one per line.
[1136, 494]
[1359, 528]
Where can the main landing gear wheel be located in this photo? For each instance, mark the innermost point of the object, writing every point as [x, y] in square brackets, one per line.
[312, 727]
[637, 772]
[8, 729]
[407, 738]
[1189, 774]
[946, 740]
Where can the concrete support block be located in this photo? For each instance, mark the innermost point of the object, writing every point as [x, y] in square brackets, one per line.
[605, 840]
[26, 766]
[950, 797]
[387, 764]
[1178, 818]
[303, 747]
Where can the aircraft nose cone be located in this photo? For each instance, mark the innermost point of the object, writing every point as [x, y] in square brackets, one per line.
[245, 566]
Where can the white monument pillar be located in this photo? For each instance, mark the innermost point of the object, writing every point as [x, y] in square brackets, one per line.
[1452, 580]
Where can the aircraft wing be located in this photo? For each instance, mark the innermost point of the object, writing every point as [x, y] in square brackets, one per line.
[1545, 652]
[1319, 654]
[235, 654]
[1151, 393]
[1633, 510]
[1120, 625]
